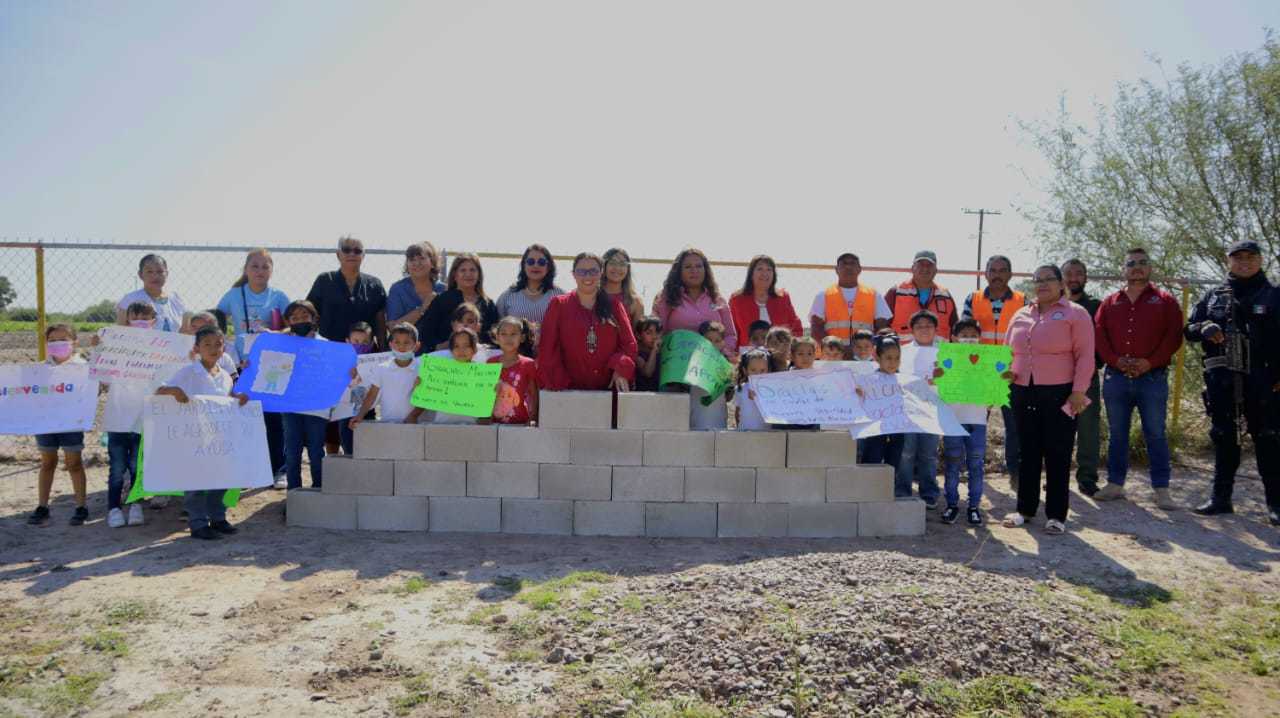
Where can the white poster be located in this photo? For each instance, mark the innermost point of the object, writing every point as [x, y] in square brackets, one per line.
[140, 357]
[807, 397]
[857, 367]
[210, 442]
[903, 404]
[46, 399]
[919, 361]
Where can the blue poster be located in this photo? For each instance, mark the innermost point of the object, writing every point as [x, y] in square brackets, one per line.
[287, 373]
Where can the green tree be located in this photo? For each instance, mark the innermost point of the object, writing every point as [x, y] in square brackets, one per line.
[7, 293]
[104, 311]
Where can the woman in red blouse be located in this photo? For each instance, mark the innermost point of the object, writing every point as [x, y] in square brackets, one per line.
[586, 341]
[760, 298]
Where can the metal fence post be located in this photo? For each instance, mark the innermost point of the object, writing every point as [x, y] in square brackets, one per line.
[40, 317]
[1180, 363]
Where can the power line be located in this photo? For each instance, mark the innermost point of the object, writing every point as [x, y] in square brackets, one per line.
[982, 214]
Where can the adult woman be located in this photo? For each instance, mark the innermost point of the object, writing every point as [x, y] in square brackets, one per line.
[1052, 342]
[586, 342]
[760, 299]
[690, 297]
[534, 287]
[617, 282]
[409, 298]
[466, 284]
[171, 312]
[347, 296]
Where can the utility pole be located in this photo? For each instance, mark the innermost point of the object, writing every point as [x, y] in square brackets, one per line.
[982, 213]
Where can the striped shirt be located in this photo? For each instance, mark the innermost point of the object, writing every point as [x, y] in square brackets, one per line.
[516, 303]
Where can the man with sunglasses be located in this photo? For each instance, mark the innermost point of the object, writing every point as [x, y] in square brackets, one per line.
[1137, 331]
[347, 296]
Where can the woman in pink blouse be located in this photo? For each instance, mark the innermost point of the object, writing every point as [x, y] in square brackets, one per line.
[1052, 342]
[690, 297]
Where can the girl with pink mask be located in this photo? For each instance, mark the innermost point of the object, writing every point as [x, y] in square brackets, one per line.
[61, 343]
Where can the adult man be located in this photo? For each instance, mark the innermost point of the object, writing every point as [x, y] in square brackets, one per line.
[846, 306]
[1137, 331]
[1089, 422]
[921, 293]
[1238, 323]
[992, 308]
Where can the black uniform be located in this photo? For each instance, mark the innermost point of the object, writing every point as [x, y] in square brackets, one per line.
[1238, 376]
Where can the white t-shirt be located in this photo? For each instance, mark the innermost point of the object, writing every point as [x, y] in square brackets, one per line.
[395, 384]
[969, 413]
[764, 310]
[169, 311]
[749, 416]
[819, 308]
[195, 380]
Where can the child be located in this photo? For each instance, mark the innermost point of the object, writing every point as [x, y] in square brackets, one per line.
[832, 349]
[864, 345]
[301, 429]
[919, 462]
[757, 332]
[714, 416]
[207, 515]
[969, 450]
[229, 363]
[648, 332]
[465, 316]
[464, 345]
[61, 345]
[518, 386]
[122, 420]
[748, 418]
[886, 448]
[804, 352]
[778, 342]
[393, 381]
[360, 337]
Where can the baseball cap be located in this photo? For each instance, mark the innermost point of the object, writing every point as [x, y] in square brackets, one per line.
[926, 254]
[1244, 245]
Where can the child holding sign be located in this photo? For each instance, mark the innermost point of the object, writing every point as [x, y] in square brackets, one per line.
[60, 341]
[714, 416]
[393, 380]
[864, 345]
[303, 320]
[748, 417]
[122, 420]
[463, 344]
[518, 386]
[971, 450]
[919, 464]
[885, 448]
[206, 513]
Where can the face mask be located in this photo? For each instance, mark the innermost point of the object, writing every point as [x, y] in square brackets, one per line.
[402, 356]
[141, 323]
[967, 340]
[59, 350]
[302, 329]
[363, 348]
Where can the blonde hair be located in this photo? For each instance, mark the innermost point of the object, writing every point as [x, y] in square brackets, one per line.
[244, 273]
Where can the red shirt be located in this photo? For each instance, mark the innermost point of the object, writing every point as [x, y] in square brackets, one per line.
[781, 314]
[564, 359]
[515, 387]
[1150, 328]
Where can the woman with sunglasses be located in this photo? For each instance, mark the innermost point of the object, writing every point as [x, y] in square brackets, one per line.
[409, 298]
[348, 295]
[617, 282]
[465, 285]
[586, 342]
[535, 286]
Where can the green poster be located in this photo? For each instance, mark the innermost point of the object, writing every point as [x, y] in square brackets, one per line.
[688, 358]
[138, 492]
[972, 373]
[456, 387]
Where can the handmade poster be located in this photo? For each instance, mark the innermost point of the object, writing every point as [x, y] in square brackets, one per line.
[293, 374]
[971, 373]
[209, 442]
[138, 492]
[807, 397]
[918, 360]
[138, 357]
[688, 358]
[365, 361]
[902, 404]
[454, 387]
[46, 399]
[857, 367]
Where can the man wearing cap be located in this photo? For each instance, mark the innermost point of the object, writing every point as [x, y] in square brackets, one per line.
[1238, 323]
[992, 308]
[920, 292]
[846, 306]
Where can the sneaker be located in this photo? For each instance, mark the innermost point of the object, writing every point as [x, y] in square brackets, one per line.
[205, 533]
[80, 516]
[159, 502]
[1273, 515]
[949, 514]
[1213, 507]
[931, 504]
[115, 518]
[1055, 527]
[39, 517]
[282, 481]
[135, 515]
[1014, 520]
[975, 516]
[224, 527]
[1110, 492]
[1164, 500]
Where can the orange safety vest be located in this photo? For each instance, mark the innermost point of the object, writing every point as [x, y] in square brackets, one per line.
[984, 314]
[842, 319]
[906, 301]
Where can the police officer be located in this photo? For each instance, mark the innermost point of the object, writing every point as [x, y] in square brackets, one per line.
[1238, 323]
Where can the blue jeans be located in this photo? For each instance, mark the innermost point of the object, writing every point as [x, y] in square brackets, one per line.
[919, 464]
[1012, 455]
[302, 430]
[883, 449]
[122, 454]
[1149, 394]
[204, 507]
[960, 451]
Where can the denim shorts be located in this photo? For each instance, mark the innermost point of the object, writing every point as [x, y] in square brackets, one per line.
[67, 441]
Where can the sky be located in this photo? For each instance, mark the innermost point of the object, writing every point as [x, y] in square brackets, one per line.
[799, 129]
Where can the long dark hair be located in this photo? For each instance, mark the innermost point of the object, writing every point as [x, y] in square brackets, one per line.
[748, 287]
[453, 272]
[522, 278]
[672, 287]
[628, 291]
[604, 302]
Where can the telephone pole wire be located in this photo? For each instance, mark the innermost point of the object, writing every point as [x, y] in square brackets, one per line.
[982, 214]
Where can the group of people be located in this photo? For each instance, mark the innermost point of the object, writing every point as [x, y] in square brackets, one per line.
[597, 336]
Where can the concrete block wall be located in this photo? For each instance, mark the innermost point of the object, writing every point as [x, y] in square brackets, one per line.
[576, 475]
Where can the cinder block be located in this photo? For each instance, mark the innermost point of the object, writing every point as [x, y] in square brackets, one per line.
[575, 409]
[648, 483]
[791, 486]
[608, 518]
[462, 442]
[584, 483]
[450, 513]
[679, 448]
[901, 517]
[309, 508]
[748, 520]
[720, 485]
[680, 520]
[535, 516]
[856, 484]
[508, 481]
[389, 440]
[431, 478]
[391, 513]
[662, 411]
[751, 448]
[823, 520]
[606, 447]
[820, 449]
[533, 445]
[369, 477]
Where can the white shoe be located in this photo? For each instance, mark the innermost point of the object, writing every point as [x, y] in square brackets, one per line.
[115, 518]
[159, 502]
[135, 515]
[282, 481]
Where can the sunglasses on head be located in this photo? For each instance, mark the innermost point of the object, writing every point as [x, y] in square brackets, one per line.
[352, 250]
[1131, 263]
[535, 261]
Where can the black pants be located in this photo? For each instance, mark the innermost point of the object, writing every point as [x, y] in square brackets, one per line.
[1047, 436]
[275, 440]
[883, 449]
[1262, 421]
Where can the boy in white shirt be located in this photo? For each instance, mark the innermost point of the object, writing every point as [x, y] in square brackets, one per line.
[968, 450]
[392, 382]
[919, 462]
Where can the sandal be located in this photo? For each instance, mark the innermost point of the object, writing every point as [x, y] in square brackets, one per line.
[1014, 520]
[1055, 527]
